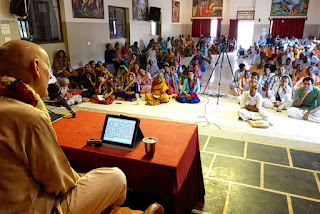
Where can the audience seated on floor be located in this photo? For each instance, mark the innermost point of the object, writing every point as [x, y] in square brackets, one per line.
[242, 53]
[105, 91]
[309, 73]
[200, 59]
[190, 90]
[152, 68]
[72, 96]
[144, 79]
[265, 80]
[251, 105]
[158, 93]
[278, 77]
[131, 89]
[306, 102]
[243, 83]
[122, 77]
[269, 58]
[111, 57]
[62, 65]
[172, 80]
[280, 97]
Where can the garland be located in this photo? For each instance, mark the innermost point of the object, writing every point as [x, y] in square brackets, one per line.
[16, 89]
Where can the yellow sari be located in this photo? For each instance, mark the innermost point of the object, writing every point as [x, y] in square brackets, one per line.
[153, 98]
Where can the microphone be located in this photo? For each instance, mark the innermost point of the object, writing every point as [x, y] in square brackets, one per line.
[54, 92]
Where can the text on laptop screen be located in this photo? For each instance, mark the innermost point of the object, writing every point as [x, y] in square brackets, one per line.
[119, 130]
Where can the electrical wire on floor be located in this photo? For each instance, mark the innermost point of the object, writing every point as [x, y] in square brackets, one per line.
[205, 114]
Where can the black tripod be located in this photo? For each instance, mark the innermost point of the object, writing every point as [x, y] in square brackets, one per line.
[223, 52]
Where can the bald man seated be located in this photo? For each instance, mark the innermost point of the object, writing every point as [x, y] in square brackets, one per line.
[35, 175]
[251, 105]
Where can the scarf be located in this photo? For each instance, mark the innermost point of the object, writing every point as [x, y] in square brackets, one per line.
[193, 86]
[16, 89]
[129, 84]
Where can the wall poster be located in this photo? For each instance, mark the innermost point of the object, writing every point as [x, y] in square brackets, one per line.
[88, 9]
[140, 10]
[207, 8]
[175, 11]
[289, 7]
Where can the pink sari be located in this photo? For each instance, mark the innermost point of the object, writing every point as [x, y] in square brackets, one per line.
[145, 83]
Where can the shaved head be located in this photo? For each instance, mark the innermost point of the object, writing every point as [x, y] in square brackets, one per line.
[26, 61]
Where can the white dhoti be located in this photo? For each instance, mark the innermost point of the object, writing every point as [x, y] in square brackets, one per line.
[297, 113]
[245, 115]
[95, 191]
[281, 106]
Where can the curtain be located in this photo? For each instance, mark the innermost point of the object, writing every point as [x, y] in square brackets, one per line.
[233, 30]
[205, 27]
[219, 28]
[297, 28]
[276, 26]
[287, 27]
[196, 27]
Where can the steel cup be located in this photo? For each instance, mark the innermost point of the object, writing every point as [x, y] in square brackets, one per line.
[150, 145]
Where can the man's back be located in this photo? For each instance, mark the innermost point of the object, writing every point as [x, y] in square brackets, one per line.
[33, 169]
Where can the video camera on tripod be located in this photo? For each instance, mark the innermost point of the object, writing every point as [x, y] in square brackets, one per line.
[224, 40]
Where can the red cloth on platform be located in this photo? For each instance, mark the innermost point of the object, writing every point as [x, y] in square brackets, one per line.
[174, 168]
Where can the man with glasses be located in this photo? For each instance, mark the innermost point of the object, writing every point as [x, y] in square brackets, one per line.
[306, 102]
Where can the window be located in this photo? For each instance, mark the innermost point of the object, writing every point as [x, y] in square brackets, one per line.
[155, 26]
[117, 22]
[43, 22]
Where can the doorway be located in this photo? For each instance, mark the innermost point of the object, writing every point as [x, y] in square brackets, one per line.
[245, 34]
[213, 28]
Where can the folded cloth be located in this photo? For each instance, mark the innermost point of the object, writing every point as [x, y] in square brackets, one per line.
[258, 123]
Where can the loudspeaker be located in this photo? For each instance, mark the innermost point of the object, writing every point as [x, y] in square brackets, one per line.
[19, 7]
[154, 14]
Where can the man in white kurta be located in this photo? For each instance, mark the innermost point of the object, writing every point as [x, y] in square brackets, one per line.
[251, 105]
[280, 97]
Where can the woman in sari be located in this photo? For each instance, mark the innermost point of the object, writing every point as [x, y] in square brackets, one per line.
[122, 77]
[172, 80]
[163, 46]
[135, 69]
[103, 70]
[133, 61]
[158, 93]
[62, 65]
[126, 52]
[104, 91]
[144, 79]
[131, 90]
[190, 90]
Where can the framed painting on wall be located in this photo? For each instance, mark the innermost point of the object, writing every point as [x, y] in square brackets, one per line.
[88, 9]
[207, 8]
[175, 11]
[140, 10]
[289, 7]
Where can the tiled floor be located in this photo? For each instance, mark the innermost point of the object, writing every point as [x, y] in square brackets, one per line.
[244, 177]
